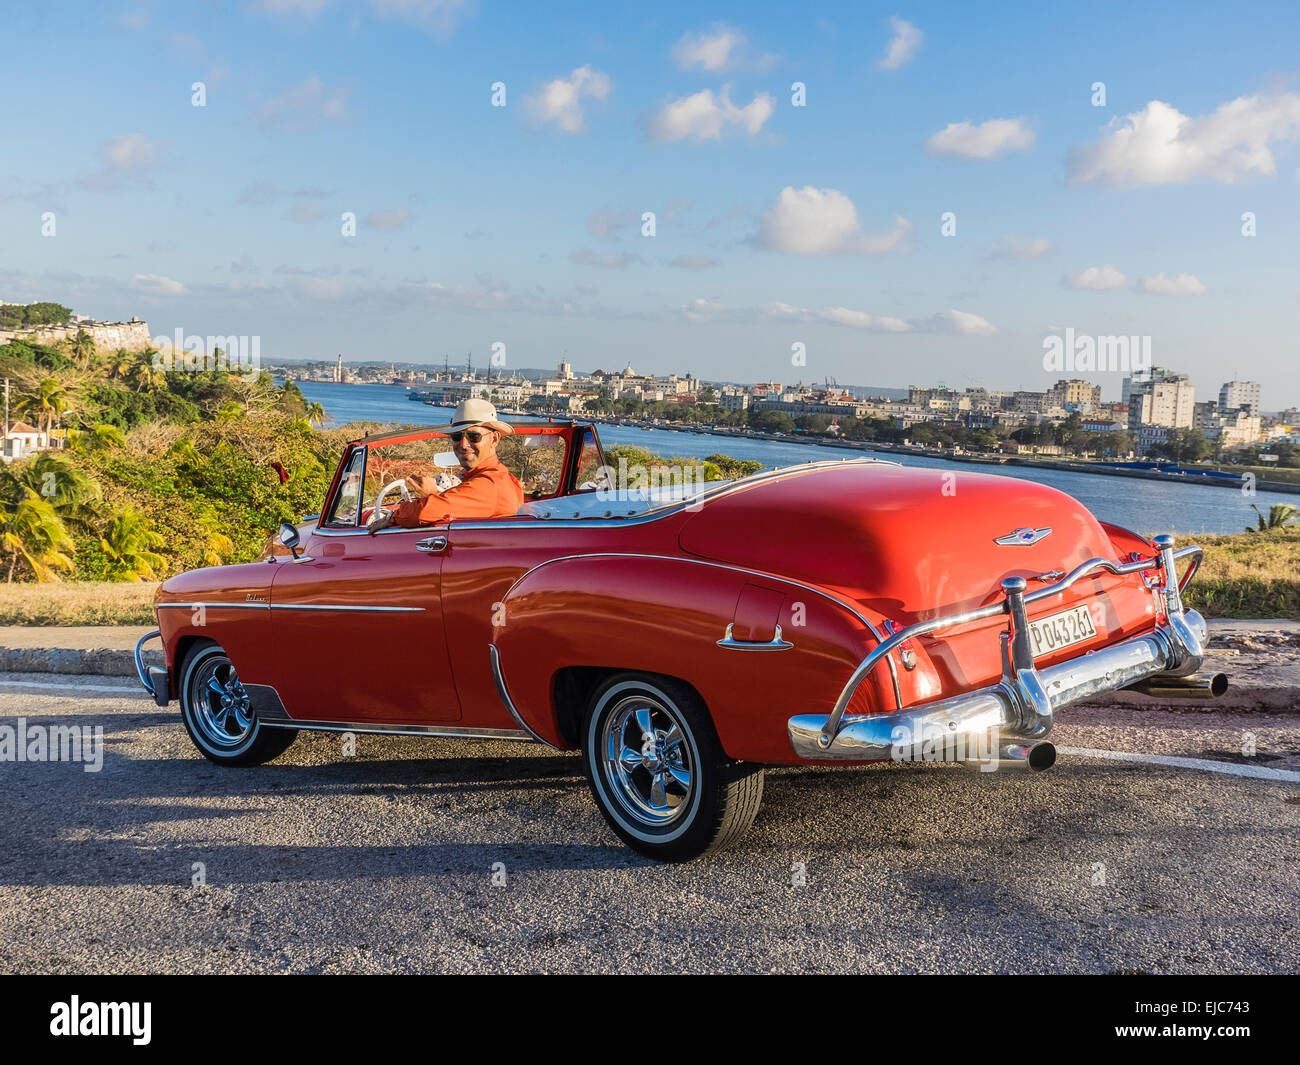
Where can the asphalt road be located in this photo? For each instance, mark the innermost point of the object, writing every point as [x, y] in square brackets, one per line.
[384, 861]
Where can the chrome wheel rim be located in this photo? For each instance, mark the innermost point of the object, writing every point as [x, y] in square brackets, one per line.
[221, 704]
[648, 762]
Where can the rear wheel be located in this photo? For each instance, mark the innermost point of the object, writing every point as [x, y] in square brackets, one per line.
[216, 712]
[658, 772]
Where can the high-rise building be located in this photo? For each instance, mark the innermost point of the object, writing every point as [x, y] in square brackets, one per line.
[1075, 395]
[1160, 397]
[1236, 394]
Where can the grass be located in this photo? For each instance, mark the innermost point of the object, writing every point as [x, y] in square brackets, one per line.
[77, 603]
[1244, 575]
[1249, 575]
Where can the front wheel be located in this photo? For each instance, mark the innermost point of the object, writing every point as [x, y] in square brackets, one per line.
[658, 772]
[216, 712]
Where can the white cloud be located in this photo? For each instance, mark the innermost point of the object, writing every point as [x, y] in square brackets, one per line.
[132, 151]
[1178, 285]
[1159, 145]
[128, 155]
[389, 221]
[299, 107]
[703, 116]
[962, 322]
[157, 285]
[811, 221]
[907, 39]
[708, 51]
[844, 316]
[559, 100]
[1096, 278]
[720, 49]
[1019, 248]
[987, 140]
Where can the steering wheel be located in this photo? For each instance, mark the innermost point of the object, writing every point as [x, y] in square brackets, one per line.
[379, 510]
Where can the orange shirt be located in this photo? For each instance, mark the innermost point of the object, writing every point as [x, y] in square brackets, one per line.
[489, 490]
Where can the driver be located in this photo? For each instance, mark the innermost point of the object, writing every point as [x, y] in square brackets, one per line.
[486, 490]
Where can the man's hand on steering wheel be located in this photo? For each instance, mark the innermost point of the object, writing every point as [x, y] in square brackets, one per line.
[423, 486]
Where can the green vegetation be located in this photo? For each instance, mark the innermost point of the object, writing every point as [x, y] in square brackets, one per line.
[24, 316]
[1249, 575]
[161, 471]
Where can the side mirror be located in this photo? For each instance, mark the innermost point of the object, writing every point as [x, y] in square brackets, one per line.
[288, 536]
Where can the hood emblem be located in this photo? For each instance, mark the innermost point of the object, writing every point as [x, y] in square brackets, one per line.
[1023, 537]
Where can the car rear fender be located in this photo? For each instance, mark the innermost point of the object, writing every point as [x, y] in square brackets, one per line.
[753, 645]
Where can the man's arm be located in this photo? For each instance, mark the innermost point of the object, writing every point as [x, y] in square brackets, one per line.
[474, 497]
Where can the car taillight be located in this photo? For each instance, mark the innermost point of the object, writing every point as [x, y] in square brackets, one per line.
[905, 649]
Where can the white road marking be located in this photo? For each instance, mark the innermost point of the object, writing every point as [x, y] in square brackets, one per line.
[1205, 765]
[70, 684]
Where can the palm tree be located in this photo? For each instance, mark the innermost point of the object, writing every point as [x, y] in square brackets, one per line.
[146, 375]
[83, 348]
[30, 530]
[97, 438]
[72, 494]
[316, 414]
[213, 543]
[1280, 515]
[128, 543]
[50, 400]
[120, 364]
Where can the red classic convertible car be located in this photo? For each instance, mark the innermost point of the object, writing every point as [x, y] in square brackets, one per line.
[682, 638]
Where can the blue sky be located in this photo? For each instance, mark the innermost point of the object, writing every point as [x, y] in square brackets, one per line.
[775, 224]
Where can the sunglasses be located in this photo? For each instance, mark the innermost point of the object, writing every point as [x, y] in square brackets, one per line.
[475, 436]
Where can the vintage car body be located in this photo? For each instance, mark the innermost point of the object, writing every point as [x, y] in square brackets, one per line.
[683, 639]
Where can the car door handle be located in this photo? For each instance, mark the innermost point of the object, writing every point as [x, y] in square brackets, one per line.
[431, 545]
[775, 644]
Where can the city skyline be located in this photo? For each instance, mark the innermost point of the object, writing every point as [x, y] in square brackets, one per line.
[778, 221]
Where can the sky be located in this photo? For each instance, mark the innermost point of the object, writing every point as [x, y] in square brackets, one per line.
[875, 194]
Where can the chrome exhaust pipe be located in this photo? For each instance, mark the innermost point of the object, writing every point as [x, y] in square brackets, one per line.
[1034, 757]
[1193, 686]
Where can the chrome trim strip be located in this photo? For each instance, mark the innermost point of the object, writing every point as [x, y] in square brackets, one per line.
[224, 606]
[507, 702]
[337, 607]
[875, 632]
[345, 608]
[427, 731]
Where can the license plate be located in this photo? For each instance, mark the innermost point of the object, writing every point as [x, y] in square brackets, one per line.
[1052, 633]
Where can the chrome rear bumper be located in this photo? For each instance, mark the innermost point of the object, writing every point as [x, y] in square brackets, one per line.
[153, 679]
[1018, 710]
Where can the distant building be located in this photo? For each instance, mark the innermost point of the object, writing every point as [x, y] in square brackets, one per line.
[1159, 397]
[1075, 395]
[1237, 394]
[22, 440]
